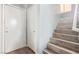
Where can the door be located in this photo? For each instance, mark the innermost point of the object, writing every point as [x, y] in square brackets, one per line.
[32, 19]
[14, 28]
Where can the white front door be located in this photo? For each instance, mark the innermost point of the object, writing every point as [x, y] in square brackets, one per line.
[14, 28]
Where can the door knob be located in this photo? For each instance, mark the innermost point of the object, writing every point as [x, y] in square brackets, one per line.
[33, 30]
[6, 31]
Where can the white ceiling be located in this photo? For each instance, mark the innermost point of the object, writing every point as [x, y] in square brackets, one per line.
[23, 5]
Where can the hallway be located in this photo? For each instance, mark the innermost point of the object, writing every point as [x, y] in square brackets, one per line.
[44, 28]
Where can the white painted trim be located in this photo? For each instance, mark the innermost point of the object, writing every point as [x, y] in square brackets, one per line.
[75, 20]
[3, 29]
[1, 21]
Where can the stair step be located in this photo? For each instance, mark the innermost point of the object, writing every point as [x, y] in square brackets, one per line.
[66, 31]
[73, 38]
[64, 27]
[66, 44]
[65, 24]
[48, 51]
[59, 49]
[66, 19]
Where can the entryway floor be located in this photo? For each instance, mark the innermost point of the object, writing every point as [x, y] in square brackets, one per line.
[24, 50]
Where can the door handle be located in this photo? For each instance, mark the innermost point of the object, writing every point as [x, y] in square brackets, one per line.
[34, 31]
[6, 31]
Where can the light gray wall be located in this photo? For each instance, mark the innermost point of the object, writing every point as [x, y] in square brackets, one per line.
[47, 24]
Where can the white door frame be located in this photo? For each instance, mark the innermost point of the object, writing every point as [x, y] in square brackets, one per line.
[2, 27]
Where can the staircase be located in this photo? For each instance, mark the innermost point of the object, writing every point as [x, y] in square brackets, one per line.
[65, 40]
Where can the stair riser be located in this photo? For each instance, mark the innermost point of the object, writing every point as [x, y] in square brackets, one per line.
[71, 46]
[59, 51]
[68, 20]
[45, 52]
[48, 53]
[66, 24]
[62, 23]
[66, 37]
[65, 21]
[64, 27]
[66, 31]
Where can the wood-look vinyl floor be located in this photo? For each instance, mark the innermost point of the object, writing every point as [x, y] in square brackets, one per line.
[24, 50]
